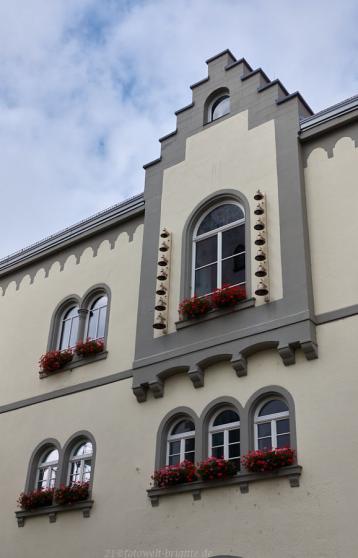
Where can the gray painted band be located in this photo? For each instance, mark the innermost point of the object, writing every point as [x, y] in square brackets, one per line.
[338, 314]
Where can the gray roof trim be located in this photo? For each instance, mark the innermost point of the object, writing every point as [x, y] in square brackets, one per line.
[271, 84]
[254, 72]
[330, 113]
[151, 163]
[167, 136]
[196, 84]
[226, 51]
[297, 95]
[187, 107]
[85, 228]
[237, 62]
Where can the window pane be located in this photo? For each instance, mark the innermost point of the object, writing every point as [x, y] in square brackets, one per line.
[50, 456]
[264, 429]
[174, 447]
[92, 325]
[190, 456]
[190, 444]
[205, 280]
[65, 335]
[174, 459]
[102, 322]
[218, 452]
[74, 329]
[233, 241]
[233, 270]
[101, 301]
[234, 450]
[283, 441]
[283, 426]
[220, 216]
[206, 251]
[234, 435]
[225, 417]
[220, 107]
[265, 443]
[86, 471]
[217, 439]
[183, 426]
[272, 407]
[84, 449]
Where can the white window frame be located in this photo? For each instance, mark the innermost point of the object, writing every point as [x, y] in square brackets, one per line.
[98, 310]
[61, 328]
[74, 459]
[272, 419]
[43, 465]
[218, 233]
[225, 428]
[182, 437]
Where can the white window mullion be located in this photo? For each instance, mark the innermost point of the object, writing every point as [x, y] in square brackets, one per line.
[226, 444]
[273, 434]
[193, 270]
[219, 264]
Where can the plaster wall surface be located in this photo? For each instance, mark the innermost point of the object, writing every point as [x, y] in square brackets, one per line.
[26, 314]
[332, 199]
[226, 155]
[315, 520]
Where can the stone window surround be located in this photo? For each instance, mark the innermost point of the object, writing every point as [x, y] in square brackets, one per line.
[201, 423]
[61, 476]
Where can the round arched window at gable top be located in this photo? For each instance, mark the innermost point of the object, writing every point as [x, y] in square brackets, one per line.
[97, 318]
[219, 108]
[272, 424]
[181, 442]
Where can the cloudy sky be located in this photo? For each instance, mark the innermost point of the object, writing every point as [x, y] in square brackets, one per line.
[88, 86]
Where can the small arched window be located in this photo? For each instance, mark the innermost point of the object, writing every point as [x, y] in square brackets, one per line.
[68, 328]
[224, 434]
[272, 424]
[181, 442]
[80, 463]
[219, 249]
[97, 318]
[219, 107]
[47, 469]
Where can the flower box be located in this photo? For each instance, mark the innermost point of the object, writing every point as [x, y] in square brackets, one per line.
[67, 495]
[261, 461]
[55, 360]
[35, 499]
[171, 475]
[228, 296]
[89, 347]
[194, 307]
[216, 468]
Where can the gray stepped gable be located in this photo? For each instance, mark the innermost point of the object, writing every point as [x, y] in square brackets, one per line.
[285, 324]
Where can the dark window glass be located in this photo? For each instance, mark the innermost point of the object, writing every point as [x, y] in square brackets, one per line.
[234, 451]
[272, 407]
[190, 444]
[233, 241]
[174, 459]
[218, 451]
[220, 216]
[220, 107]
[206, 251]
[283, 441]
[217, 439]
[264, 443]
[183, 426]
[234, 435]
[205, 280]
[233, 270]
[283, 426]
[190, 456]
[174, 447]
[264, 429]
[225, 417]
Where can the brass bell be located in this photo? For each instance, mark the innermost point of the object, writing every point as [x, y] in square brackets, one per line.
[262, 289]
[161, 306]
[161, 290]
[160, 322]
[259, 225]
[163, 261]
[258, 196]
[260, 256]
[165, 233]
[259, 210]
[260, 240]
[162, 275]
[164, 247]
[261, 271]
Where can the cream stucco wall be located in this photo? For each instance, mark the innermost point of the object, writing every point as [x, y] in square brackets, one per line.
[27, 314]
[226, 155]
[332, 199]
[315, 520]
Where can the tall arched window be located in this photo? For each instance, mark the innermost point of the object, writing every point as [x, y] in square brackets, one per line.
[68, 328]
[272, 424]
[181, 442]
[224, 434]
[97, 318]
[80, 462]
[219, 249]
[47, 469]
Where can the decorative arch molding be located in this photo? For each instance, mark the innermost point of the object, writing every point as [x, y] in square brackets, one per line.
[34, 461]
[76, 438]
[163, 431]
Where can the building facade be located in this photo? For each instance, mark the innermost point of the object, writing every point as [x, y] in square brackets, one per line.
[245, 193]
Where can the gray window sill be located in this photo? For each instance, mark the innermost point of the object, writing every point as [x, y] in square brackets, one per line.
[75, 363]
[216, 313]
[52, 511]
[243, 480]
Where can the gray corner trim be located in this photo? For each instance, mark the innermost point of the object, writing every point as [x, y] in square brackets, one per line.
[271, 84]
[151, 163]
[338, 314]
[163, 431]
[295, 95]
[198, 83]
[187, 107]
[63, 392]
[80, 435]
[34, 461]
[227, 194]
[167, 136]
[237, 63]
[72, 235]
[216, 313]
[60, 308]
[85, 506]
[254, 72]
[222, 53]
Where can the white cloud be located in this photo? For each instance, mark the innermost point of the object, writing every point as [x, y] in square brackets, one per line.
[88, 86]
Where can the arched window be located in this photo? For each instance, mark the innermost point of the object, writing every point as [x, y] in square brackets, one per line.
[219, 107]
[97, 318]
[181, 442]
[80, 462]
[47, 469]
[68, 330]
[224, 434]
[219, 249]
[272, 424]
